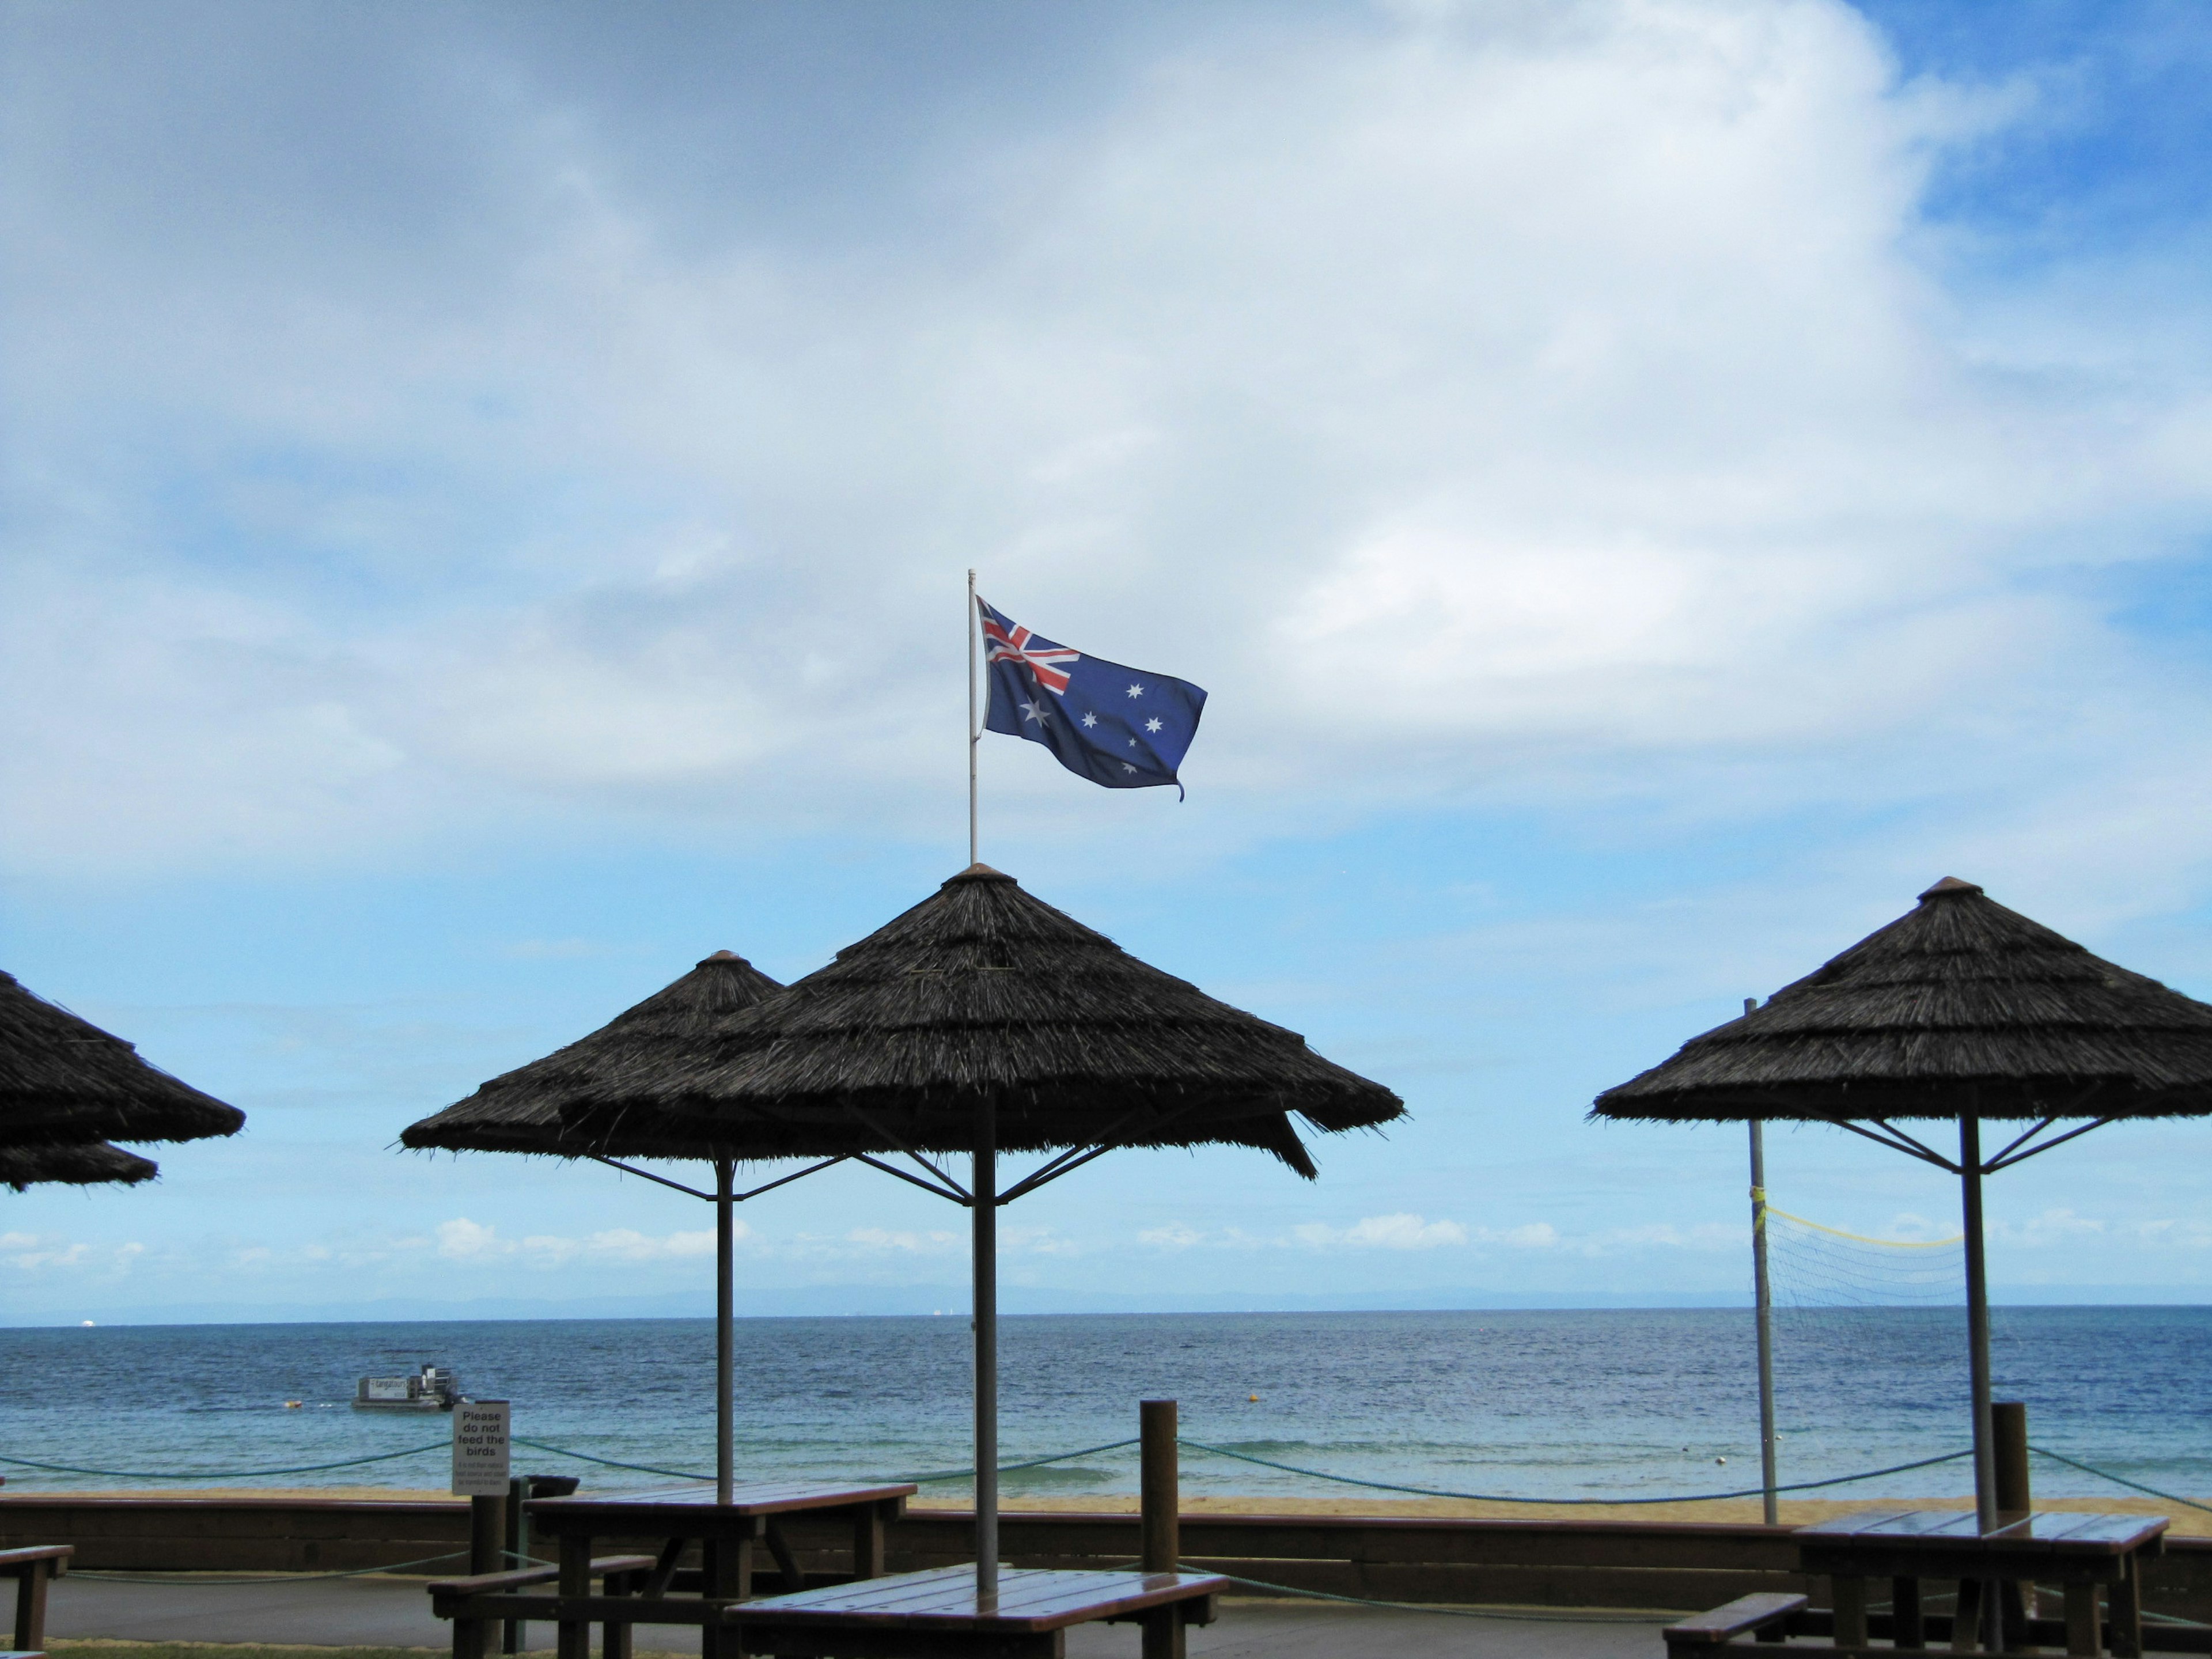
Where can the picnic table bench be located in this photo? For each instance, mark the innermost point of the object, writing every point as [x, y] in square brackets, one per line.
[634, 1589]
[937, 1615]
[2089, 1556]
[34, 1568]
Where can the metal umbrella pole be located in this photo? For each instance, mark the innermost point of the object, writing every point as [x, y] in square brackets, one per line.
[726, 1273]
[1977, 1317]
[984, 1207]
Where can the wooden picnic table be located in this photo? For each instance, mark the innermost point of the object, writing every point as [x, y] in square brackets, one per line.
[2085, 1554]
[636, 1588]
[927, 1615]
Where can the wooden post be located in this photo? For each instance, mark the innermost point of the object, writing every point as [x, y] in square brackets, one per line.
[514, 1636]
[2009, 1443]
[1161, 1508]
[2009, 1430]
[487, 1540]
[575, 1637]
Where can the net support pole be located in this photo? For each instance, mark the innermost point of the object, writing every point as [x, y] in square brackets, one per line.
[974, 736]
[984, 1203]
[1762, 1309]
[725, 1272]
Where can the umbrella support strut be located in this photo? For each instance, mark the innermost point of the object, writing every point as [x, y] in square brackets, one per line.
[984, 1184]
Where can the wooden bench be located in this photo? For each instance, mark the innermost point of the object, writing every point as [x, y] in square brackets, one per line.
[475, 1604]
[33, 1570]
[1763, 1616]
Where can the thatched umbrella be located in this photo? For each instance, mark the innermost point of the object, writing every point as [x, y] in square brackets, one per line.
[519, 1111]
[94, 1163]
[1959, 1010]
[64, 1081]
[984, 1020]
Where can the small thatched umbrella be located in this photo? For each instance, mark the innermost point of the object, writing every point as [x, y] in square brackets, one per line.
[1960, 1010]
[519, 1111]
[95, 1164]
[984, 1020]
[64, 1081]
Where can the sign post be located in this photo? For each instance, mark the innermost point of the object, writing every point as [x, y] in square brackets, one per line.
[480, 1475]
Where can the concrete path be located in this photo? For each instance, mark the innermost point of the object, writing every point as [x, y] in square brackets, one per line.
[380, 1611]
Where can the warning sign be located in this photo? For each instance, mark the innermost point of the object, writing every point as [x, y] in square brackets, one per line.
[480, 1448]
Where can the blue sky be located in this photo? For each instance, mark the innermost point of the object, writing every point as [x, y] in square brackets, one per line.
[1649, 487]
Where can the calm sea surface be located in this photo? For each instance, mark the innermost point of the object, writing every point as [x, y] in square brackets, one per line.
[1532, 1404]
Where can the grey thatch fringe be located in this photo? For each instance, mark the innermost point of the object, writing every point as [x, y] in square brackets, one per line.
[982, 989]
[64, 1081]
[95, 1164]
[521, 1110]
[1960, 1003]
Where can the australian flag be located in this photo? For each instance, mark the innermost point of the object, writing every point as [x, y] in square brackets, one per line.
[1119, 727]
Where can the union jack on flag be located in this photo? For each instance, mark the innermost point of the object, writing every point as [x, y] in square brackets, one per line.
[1122, 727]
[1010, 642]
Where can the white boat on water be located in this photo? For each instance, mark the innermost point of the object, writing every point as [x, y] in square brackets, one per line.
[431, 1388]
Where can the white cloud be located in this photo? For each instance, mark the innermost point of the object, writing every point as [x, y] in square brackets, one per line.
[1388, 1232]
[464, 1240]
[888, 1240]
[33, 1253]
[1573, 382]
[1174, 1236]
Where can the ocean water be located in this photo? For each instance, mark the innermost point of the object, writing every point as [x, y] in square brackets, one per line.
[1550, 1405]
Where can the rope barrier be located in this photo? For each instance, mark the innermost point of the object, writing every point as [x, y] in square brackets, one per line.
[281, 1578]
[609, 1462]
[935, 1475]
[223, 1474]
[1498, 1497]
[2119, 1480]
[1013, 1468]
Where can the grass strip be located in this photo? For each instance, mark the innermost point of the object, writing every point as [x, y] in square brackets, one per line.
[104, 1648]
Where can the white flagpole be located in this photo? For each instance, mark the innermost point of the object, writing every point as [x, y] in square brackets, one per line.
[974, 736]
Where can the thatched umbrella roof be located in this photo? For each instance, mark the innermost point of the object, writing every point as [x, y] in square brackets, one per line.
[1961, 1000]
[984, 990]
[519, 1111]
[63, 1080]
[94, 1163]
